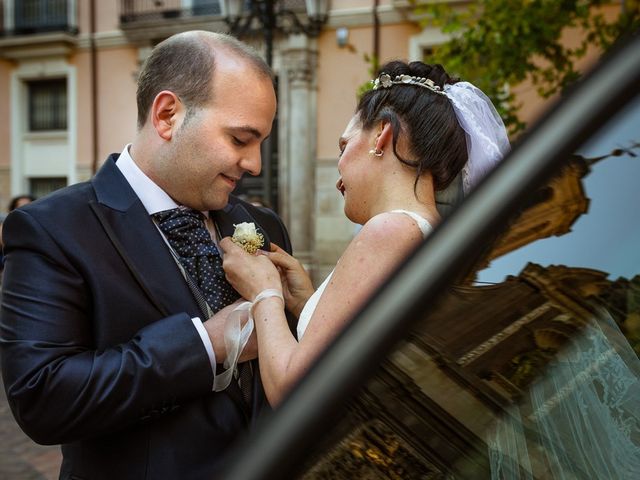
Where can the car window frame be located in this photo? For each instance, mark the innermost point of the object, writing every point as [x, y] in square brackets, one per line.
[279, 442]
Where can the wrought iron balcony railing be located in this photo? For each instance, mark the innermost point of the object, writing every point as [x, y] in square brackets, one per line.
[24, 17]
[133, 11]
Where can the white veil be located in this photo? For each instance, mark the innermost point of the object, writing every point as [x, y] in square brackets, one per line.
[582, 419]
[487, 141]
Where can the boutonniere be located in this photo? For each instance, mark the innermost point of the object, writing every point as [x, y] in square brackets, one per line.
[246, 235]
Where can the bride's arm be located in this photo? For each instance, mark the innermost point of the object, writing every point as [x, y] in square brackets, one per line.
[377, 249]
[374, 253]
[296, 284]
[250, 275]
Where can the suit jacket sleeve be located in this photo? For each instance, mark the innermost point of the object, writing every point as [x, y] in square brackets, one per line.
[60, 384]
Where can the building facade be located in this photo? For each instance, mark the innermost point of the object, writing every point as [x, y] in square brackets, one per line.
[67, 95]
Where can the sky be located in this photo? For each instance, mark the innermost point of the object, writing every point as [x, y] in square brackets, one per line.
[607, 237]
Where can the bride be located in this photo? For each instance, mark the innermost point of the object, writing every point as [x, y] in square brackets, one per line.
[412, 136]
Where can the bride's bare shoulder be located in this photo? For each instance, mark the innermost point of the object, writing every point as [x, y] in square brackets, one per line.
[388, 229]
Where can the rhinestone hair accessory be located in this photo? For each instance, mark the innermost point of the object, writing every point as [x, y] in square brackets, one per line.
[384, 80]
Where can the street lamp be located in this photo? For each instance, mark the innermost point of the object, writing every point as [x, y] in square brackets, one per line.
[271, 16]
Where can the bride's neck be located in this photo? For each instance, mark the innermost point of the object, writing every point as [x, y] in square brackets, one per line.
[405, 194]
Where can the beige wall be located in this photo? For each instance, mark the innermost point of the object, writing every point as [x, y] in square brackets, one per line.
[106, 15]
[85, 140]
[5, 128]
[116, 70]
[107, 18]
[5, 113]
[342, 70]
[117, 101]
[533, 105]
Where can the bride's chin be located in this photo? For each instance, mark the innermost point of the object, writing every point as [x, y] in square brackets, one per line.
[351, 215]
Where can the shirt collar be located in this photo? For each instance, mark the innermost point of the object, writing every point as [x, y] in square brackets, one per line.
[150, 194]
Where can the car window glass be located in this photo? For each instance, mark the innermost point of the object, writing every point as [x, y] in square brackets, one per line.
[603, 235]
[529, 368]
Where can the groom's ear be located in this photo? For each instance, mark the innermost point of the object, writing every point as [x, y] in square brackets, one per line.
[167, 113]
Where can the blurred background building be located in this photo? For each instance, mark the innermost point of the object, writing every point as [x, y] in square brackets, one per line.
[68, 79]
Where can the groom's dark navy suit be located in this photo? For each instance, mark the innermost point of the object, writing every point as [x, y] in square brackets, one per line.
[99, 352]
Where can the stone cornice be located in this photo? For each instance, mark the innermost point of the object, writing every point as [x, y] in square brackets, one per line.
[19, 47]
[398, 11]
[362, 17]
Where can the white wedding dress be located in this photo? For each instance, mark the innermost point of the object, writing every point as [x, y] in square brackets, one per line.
[312, 303]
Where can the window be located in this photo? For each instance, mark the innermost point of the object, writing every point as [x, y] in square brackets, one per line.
[426, 54]
[206, 7]
[34, 16]
[43, 186]
[47, 105]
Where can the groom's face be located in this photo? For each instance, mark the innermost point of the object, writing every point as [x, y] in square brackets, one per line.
[217, 144]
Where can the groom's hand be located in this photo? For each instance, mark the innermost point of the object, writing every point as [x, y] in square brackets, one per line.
[215, 329]
[250, 350]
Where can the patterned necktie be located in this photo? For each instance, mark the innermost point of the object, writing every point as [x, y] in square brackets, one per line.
[187, 234]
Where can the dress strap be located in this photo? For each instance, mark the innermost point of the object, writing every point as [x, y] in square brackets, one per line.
[423, 224]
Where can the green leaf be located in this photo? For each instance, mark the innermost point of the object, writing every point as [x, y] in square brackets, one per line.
[498, 43]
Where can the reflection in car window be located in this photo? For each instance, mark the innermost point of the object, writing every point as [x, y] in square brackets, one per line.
[605, 236]
[529, 370]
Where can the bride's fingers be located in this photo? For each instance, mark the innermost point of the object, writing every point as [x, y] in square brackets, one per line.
[276, 248]
[281, 258]
[227, 245]
[284, 261]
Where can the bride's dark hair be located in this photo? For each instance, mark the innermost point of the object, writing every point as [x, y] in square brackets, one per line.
[435, 138]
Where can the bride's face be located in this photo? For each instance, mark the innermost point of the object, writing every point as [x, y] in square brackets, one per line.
[354, 168]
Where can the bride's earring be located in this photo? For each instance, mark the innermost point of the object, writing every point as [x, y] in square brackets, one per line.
[376, 152]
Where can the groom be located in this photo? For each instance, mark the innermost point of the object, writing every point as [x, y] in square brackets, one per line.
[107, 346]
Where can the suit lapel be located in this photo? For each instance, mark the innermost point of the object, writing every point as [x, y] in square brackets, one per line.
[139, 242]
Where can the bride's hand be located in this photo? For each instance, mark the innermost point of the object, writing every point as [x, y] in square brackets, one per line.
[296, 284]
[248, 274]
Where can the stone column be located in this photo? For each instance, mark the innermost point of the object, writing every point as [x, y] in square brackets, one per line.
[297, 142]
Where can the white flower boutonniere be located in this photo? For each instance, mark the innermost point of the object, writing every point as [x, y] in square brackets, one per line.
[247, 237]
